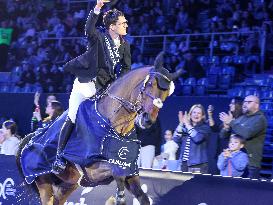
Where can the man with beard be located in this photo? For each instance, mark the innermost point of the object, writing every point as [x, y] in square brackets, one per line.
[252, 127]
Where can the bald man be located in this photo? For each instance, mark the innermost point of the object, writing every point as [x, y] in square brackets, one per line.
[252, 127]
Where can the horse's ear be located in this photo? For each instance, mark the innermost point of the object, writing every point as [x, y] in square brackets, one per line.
[159, 60]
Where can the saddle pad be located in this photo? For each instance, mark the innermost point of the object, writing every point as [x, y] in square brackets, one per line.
[122, 154]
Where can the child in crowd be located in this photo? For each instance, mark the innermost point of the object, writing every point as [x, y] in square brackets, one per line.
[170, 147]
[232, 161]
[168, 152]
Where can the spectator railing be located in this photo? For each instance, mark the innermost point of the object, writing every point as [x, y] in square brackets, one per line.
[207, 44]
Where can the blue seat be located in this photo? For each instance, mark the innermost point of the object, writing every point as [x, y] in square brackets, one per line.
[213, 74]
[238, 59]
[253, 58]
[201, 87]
[4, 89]
[212, 81]
[251, 91]
[226, 60]
[236, 92]
[178, 88]
[187, 90]
[268, 94]
[214, 60]
[267, 107]
[226, 77]
[190, 81]
[270, 122]
[4, 77]
[214, 70]
[203, 60]
[16, 89]
[228, 70]
[225, 81]
[202, 81]
[188, 86]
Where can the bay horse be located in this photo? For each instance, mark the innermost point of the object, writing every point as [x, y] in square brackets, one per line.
[133, 99]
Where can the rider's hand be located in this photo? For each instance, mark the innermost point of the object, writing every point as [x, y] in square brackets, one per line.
[100, 3]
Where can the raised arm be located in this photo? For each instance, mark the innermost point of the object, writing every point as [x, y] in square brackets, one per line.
[90, 26]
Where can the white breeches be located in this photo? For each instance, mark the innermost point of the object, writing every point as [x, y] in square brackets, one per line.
[80, 92]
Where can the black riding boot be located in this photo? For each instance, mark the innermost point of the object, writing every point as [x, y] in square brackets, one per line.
[60, 164]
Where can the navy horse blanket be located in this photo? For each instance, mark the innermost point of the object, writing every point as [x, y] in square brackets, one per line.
[92, 139]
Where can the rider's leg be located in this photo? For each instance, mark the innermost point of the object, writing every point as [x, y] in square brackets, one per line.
[80, 92]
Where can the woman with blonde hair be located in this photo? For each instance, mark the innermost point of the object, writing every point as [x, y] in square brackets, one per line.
[193, 133]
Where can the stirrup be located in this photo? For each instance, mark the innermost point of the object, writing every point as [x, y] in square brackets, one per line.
[58, 166]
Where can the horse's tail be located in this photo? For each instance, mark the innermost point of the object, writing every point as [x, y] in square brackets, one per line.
[22, 144]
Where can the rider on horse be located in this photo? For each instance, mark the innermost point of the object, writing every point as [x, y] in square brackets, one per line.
[107, 57]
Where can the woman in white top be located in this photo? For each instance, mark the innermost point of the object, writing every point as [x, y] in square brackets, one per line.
[2, 138]
[11, 142]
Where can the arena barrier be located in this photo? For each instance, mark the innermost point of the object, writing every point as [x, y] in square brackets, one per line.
[163, 188]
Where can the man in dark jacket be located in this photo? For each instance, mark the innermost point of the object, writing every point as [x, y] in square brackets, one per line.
[107, 57]
[252, 127]
[192, 67]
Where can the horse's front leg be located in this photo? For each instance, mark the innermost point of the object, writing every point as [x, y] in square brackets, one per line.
[62, 191]
[120, 194]
[133, 185]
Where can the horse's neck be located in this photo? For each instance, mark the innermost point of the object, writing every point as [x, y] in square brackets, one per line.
[120, 117]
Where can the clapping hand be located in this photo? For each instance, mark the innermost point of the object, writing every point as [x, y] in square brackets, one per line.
[226, 118]
[184, 118]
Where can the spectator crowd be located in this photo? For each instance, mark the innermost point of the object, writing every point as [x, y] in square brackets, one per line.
[242, 131]
[36, 61]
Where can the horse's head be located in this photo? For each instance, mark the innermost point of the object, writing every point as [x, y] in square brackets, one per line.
[156, 87]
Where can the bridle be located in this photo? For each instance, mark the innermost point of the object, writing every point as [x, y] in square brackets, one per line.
[136, 107]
